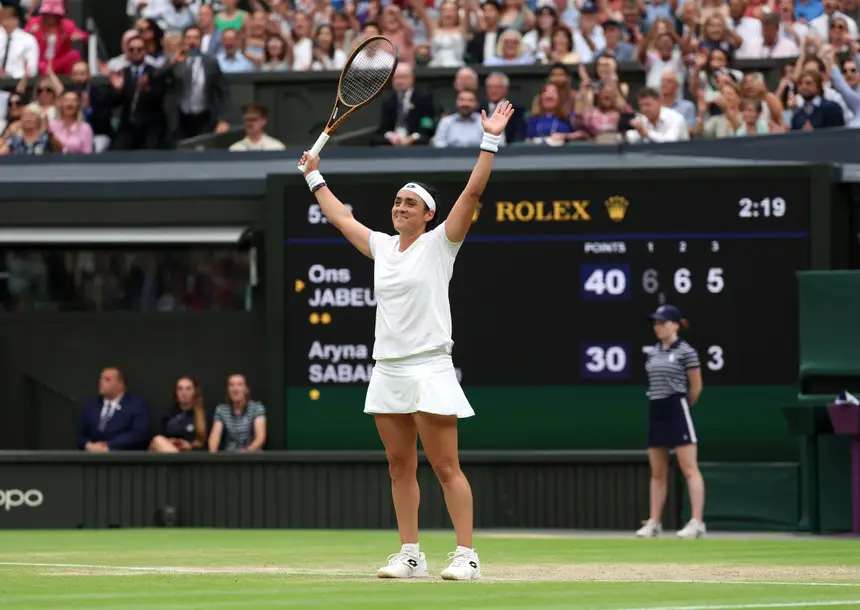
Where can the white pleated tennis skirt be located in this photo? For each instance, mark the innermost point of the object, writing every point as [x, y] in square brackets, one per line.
[424, 382]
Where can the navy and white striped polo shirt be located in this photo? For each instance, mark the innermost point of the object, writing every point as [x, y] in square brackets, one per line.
[667, 369]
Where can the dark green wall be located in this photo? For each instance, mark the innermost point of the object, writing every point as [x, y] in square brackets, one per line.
[733, 423]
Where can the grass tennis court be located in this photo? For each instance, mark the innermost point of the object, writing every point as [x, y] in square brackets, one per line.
[252, 569]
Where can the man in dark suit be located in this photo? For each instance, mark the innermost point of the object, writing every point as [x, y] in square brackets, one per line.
[408, 114]
[497, 85]
[140, 97]
[115, 421]
[197, 98]
[816, 112]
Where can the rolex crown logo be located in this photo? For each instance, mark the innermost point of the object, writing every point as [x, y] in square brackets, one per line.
[617, 207]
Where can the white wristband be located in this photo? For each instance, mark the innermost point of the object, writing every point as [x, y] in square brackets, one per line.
[314, 179]
[490, 143]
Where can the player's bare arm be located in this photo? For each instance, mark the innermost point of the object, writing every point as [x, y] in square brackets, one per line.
[337, 213]
[460, 219]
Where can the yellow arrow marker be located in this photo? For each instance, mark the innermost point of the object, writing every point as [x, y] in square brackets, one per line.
[300, 285]
[325, 318]
[314, 394]
[315, 318]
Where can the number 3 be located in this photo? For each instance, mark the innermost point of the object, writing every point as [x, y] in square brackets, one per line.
[716, 361]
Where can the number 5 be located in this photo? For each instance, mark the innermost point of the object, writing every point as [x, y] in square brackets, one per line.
[715, 280]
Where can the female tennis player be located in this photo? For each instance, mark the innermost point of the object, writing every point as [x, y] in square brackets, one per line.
[674, 384]
[413, 389]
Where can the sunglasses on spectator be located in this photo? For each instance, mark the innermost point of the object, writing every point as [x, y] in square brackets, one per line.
[837, 26]
[851, 70]
[14, 103]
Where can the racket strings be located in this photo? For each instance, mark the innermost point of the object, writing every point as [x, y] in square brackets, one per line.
[368, 72]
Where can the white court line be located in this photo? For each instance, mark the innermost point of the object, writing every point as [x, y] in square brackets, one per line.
[299, 572]
[852, 602]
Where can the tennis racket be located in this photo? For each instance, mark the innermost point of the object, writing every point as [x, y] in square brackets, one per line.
[365, 75]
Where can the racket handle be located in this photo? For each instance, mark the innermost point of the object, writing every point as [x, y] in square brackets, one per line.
[316, 148]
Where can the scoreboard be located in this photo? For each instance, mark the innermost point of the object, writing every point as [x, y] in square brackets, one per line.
[560, 272]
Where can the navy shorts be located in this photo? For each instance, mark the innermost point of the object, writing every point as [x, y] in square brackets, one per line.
[670, 423]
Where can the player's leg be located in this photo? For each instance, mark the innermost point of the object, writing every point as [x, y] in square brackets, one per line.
[439, 438]
[658, 458]
[688, 461]
[399, 436]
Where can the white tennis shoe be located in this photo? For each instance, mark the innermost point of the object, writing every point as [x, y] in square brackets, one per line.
[693, 529]
[651, 529]
[404, 565]
[465, 565]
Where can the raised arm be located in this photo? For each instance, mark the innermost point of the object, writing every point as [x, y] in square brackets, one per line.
[460, 219]
[336, 213]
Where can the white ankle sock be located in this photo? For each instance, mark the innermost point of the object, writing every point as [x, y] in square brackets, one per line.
[411, 549]
[464, 549]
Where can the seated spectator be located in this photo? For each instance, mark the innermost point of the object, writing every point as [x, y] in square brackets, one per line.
[172, 16]
[212, 41]
[255, 117]
[255, 39]
[709, 73]
[665, 55]
[231, 17]
[183, 425]
[55, 35]
[466, 78]
[751, 124]
[717, 36]
[821, 24]
[278, 54]
[560, 77]
[771, 45]
[549, 122]
[483, 44]
[31, 138]
[303, 46]
[656, 123]
[748, 28]
[539, 39]
[561, 48]
[510, 51]
[231, 59]
[815, 112]
[772, 109]
[19, 50]
[343, 31]
[139, 93]
[670, 97]
[847, 85]
[326, 55]
[448, 37]
[48, 91]
[73, 134]
[726, 123]
[171, 43]
[604, 117]
[809, 61]
[463, 129]
[517, 16]
[197, 98]
[11, 124]
[96, 105]
[606, 68]
[408, 113]
[239, 424]
[152, 36]
[615, 46]
[115, 420]
[588, 40]
[497, 85]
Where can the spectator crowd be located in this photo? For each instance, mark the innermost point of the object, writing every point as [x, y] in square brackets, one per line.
[118, 420]
[169, 84]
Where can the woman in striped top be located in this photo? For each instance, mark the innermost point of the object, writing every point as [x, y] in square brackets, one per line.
[674, 384]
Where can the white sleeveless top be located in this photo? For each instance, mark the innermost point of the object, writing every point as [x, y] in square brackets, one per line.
[413, 313]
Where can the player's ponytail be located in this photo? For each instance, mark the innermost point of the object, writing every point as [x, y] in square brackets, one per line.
[434, 222]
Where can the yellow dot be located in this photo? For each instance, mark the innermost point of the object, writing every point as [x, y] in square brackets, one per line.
[314, 394]
[325, 318]
[315, 318]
